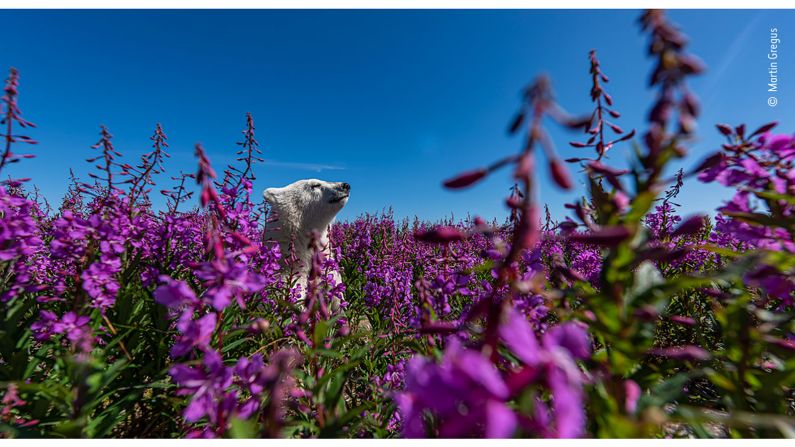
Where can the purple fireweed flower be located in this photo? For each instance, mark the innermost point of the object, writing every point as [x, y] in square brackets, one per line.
[9, 402]
[394, 378]
[556, 356]
[661, 221]
[227, 280]
[18, 231]
[193, 333]
[72, 325]
[782, 144]
[70, 235]
[207, 384]
[570, 336]
[100, 283]
[249, 372]
[218, 392]
[690, 227]
[174, 293]
[567, 399]
[20, 240]
[755, 167]
[43, 328]
[774, 283]
[277, 380]
[465, 392]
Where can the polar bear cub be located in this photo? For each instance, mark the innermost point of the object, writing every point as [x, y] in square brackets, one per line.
[298, 209]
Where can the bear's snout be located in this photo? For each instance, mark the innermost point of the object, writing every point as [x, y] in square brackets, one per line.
[345, 187]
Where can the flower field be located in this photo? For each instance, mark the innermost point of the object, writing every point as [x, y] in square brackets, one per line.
[626, 319]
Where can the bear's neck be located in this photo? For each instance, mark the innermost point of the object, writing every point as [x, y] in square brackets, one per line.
[296, 236]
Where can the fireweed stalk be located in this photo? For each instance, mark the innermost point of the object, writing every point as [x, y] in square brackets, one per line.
[596, 126]
[495, 308]
[106, 164]
[151, 164]
[238, 181]
[19, 237]
[220, 394]
[11, 115]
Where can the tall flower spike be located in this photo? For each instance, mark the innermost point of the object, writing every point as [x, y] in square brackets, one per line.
[10, 115]
[107, 160]
[151, 164]
[238, 181]
[178, 194]
[249, 154]
[672, 68]
[204, 178]
[599, 118]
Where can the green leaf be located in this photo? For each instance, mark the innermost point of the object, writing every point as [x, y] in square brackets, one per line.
[243, 429]
[234, 344]
[666, 392]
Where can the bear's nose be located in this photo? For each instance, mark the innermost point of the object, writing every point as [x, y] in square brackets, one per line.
[345, 187]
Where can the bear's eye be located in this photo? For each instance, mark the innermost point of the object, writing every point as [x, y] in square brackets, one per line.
[315, 185]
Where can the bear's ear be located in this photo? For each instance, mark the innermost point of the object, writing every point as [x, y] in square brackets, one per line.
[271, 195]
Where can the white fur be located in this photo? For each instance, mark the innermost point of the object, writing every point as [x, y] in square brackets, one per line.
[299, 208]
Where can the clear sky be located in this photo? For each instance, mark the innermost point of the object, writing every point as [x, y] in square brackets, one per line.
[392, 102]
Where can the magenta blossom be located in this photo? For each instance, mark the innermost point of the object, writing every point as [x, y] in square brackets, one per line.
[553, 363]
[174, 293]
[465, 392]
[193, 333]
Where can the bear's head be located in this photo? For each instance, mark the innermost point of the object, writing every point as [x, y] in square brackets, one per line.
[308, 205]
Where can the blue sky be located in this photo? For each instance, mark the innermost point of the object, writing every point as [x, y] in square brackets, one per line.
[392, 102]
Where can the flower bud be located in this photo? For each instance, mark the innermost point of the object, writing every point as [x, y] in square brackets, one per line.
[516, 123]
[466, 179]
[781, 342]
[691, 65]
[646, 313]
[766, 128]
[620, 201]
[689, 352]
[440, 235]
[260, 325]
[524, 167]
[560, 174]
[632, 392]
[513, 202]
[683, 320]
[691, 226]
[740, 130]
[439, 327]
[567, 226]
[724, 129]
[606, 236]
